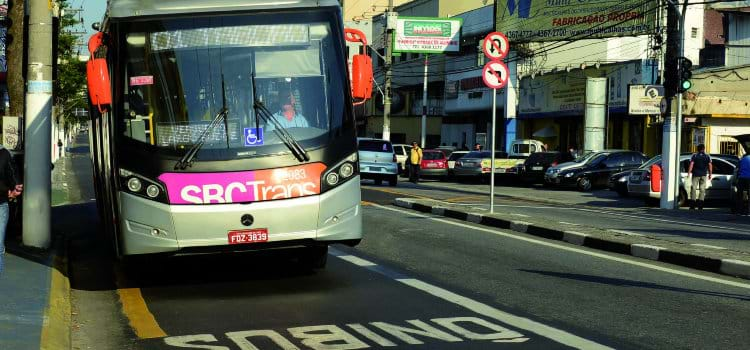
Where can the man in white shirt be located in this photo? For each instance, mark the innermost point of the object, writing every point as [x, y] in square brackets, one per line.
[287, 115]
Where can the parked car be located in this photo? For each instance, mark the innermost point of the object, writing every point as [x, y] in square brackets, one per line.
[402, 154]
[434, 163]
[593, 169]
[452, 160]
[476, 164]
[641, 183]
[448, 150]
[377, 161]
[537, 164]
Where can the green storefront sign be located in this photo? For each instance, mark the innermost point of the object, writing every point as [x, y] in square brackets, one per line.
[422, 28]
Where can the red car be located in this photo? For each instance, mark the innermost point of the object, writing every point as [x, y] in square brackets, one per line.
[434, 163]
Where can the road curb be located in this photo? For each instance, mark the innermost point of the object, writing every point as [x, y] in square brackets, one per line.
[56, 332]
[730, 267]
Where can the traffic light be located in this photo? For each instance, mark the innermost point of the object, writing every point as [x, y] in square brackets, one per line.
[683, 69]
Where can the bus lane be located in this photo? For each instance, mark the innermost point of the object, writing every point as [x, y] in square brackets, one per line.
[268, 303]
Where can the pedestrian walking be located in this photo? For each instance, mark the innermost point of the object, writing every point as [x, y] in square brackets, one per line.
[415, 159]
[9, 189]
[743, 186]
[59, 148]
[700, 170]
[477, 147]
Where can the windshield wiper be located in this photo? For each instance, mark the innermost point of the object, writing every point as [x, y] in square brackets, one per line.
[187, 158]
[289, 141]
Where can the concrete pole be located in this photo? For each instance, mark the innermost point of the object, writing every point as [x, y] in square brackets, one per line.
[37, 124]
[388, 74]
[595, 114]
[424, 101]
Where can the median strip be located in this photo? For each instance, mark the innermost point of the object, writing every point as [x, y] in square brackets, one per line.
[695, 256]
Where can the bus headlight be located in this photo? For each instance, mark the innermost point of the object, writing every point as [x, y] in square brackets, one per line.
[134, 184]
[340, 173]
[152, 191]
[346, 170]
[142, 186]
[332, 179]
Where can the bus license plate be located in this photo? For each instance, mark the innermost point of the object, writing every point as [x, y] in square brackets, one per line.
[537, 168]
[248, 236]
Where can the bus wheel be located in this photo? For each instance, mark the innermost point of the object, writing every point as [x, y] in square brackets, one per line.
[315, 257]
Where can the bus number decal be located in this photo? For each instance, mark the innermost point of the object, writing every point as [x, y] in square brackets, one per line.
[243, 186]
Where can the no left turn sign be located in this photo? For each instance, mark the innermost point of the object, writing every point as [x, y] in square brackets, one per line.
[495, 74]
[495, 46]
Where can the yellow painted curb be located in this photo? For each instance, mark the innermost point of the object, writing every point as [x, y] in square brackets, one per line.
[141, 320]
[57, 315]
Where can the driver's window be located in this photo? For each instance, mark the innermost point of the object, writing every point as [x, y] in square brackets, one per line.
[722, 168]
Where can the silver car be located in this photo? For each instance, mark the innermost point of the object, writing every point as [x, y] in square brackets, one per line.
[640, 184]
[377, 161]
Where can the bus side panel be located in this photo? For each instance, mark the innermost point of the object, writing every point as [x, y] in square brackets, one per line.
[340, 217]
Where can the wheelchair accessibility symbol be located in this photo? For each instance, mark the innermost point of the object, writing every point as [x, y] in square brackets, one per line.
[253, 137]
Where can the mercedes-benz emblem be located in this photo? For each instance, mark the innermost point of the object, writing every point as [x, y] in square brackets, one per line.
[247, 220]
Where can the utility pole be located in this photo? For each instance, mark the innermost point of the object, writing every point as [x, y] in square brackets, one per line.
[670, 138]
[37, 123]
[388, 73]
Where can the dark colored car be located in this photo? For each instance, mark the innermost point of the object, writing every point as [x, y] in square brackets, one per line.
[537, 164]
[618, 182]
[595, 169]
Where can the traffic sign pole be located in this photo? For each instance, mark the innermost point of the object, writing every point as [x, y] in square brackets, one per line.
[492, 166]
[495, 75]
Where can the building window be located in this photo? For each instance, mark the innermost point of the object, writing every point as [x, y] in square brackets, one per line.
[475, 94]
[694, 32]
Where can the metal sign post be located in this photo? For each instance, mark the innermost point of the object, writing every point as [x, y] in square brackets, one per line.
[495, 75]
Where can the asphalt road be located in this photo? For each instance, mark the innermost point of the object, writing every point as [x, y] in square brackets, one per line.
[420, 282]
[416, 282]
[715, 228]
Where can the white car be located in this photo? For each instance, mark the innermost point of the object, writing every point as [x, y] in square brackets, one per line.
[640, 182]
[402, 154]
[377, 161]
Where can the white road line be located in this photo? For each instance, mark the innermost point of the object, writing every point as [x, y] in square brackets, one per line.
[576, 250]
[548, 332]
[625, 232]
[707, 246]
[357, 260]
[543, 330]
[568, 223]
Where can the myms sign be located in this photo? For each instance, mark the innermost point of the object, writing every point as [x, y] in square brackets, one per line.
[427, 35]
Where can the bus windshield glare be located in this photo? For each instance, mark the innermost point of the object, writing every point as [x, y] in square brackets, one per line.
[181, 73]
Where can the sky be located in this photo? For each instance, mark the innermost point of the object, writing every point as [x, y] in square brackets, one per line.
[93, 11]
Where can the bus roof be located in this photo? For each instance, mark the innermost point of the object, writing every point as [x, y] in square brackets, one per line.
[136, 8]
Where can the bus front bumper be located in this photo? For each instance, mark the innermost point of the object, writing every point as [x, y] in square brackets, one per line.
[149, 227]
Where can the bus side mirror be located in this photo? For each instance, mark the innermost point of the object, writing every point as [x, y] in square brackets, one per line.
[97, 73]
[362, 77]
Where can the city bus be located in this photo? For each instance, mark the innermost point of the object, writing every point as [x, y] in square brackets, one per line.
[226, 126]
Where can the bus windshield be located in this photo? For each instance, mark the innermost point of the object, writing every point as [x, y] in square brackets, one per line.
[180, 73]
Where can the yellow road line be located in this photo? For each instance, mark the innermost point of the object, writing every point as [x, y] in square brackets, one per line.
[400, 193]
[465, 198]
[142, 321]
[57, 316]
[366, 203]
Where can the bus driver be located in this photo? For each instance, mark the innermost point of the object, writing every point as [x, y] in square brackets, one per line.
[287, 115]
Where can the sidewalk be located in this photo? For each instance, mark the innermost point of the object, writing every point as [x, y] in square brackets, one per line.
[726, 261]
[35, 311]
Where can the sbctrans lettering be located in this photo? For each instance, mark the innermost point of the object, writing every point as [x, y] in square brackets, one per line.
[356, 335]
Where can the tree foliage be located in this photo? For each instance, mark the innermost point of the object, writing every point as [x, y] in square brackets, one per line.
[70, 83]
